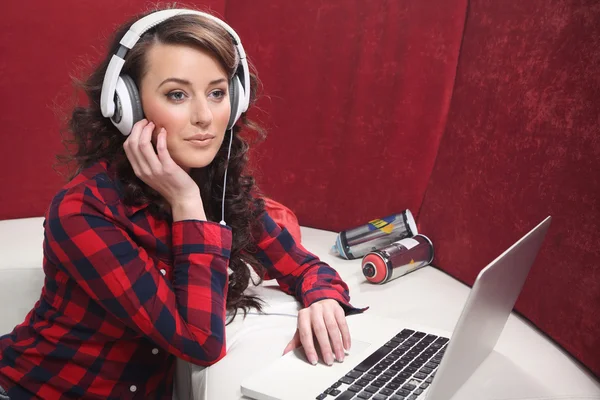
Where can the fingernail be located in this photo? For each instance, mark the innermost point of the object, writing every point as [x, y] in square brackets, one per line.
[347, 352]
[313, 361]
[329, 361]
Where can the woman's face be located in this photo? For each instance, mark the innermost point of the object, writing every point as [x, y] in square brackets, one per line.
[185, 90]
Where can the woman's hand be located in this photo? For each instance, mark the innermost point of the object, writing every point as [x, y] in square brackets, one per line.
[326, 320]
[159, 171]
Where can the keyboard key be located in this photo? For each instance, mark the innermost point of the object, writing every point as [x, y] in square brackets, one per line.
[425, 370]
[399, 380]
[345, 396]
[379, 397]
[386, 391]
[346, 380]
[409, 387]
[364, 395]
[355, 388]
[322, 396]
[368, 377]
[424, 385]
[420, 376]
[353, 374]
[389, 373]
[396, 397]
[373, 359]
[431, 365]
[336, 385]
[334, 392]
[403, 392]
[419, 334]
[418, 391]
[412, 397]
[406, 332]
[376, 371]
[442, 340]
[361, 382]
[371, 389]
[378, 383]
[392, 385]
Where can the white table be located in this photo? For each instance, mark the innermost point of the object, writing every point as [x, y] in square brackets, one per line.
[524, 365]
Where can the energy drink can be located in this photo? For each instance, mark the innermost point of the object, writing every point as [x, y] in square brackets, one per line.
[356, 242]
[397, 259]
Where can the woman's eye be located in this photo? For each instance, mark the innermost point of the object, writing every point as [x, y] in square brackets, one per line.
[176, 96]
[218, 94]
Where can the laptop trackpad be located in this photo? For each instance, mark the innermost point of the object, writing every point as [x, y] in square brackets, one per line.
[292, 377]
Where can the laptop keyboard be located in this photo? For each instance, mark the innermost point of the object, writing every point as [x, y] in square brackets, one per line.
[401, 369]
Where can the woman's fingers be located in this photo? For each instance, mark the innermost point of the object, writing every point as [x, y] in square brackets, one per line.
[321, 333]
[340, 317]
[306, 336]
[335, 337]
[295, 342]
[161, 148]
[146, 150]
[131, 146]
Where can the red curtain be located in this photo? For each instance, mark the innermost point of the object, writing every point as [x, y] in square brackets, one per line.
[523, 142]
[356, 95]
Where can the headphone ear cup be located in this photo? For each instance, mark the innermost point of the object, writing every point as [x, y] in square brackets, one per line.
[128, 105]
[236, 92]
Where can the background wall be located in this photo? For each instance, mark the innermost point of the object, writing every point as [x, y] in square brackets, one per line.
[523, 142]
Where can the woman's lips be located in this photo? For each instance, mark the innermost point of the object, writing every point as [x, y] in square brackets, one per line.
[201, 142]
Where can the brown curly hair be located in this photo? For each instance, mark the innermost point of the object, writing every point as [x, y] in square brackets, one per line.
[94, 138]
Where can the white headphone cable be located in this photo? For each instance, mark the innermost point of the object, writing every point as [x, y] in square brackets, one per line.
[225, 178]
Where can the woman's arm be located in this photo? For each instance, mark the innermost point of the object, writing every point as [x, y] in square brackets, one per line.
[316, 285]
[298, 272]
[85, 239]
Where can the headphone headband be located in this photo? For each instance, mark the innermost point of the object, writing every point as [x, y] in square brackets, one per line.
[146, 23]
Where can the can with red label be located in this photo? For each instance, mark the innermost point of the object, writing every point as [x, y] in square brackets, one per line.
[397, 259]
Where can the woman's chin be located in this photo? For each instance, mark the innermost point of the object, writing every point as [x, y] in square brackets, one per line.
[196, 162]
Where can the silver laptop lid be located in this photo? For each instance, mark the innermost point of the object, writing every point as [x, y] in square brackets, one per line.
[485, 313]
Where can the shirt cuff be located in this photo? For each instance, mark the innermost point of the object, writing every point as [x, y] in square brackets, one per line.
[330, 293]
[194, 236]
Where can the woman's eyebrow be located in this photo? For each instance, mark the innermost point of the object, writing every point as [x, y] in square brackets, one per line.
[176, 80]
[188, 83]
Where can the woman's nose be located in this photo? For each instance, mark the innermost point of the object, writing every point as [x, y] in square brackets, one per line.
[201, 113]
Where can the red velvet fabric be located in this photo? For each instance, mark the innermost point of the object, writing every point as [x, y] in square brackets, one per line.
[522, 142]
[356, 97]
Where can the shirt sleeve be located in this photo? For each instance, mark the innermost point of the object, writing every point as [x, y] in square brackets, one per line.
[298, 272]
[186, 317]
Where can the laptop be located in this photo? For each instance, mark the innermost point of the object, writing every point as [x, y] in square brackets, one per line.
[392, 360]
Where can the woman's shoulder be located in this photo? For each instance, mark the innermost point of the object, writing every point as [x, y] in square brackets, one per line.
[93, 185]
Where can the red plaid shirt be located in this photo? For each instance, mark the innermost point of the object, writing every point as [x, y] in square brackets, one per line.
[126, 293]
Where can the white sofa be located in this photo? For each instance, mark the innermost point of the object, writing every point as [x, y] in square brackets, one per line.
[524, 365]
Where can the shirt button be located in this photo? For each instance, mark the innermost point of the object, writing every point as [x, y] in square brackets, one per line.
[133, 388]
[162, 271]
[155, 351]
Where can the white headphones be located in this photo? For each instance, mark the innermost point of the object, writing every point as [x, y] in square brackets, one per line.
[120, 99]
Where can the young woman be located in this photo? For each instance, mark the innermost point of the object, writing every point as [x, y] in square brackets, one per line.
[143, 257]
